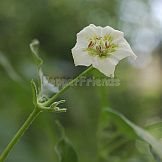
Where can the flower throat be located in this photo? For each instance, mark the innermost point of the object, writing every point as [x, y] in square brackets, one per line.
[101, 46]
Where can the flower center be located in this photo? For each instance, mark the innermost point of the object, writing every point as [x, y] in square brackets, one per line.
[101, 46]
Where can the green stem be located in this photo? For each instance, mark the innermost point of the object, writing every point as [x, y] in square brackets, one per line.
[19, 134]
[34, 114]
[52, 99]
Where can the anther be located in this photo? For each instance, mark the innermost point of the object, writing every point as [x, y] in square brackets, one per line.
[107, 45]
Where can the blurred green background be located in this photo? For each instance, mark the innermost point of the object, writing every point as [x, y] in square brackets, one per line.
[55, 23]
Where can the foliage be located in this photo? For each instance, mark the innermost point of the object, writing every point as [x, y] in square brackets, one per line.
[118, 134]
[64, 148]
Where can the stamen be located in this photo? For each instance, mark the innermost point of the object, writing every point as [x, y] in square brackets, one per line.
[101, 46]
[90, 44]
[107, 45]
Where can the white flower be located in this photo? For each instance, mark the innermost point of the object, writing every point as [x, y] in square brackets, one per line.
[101, 47]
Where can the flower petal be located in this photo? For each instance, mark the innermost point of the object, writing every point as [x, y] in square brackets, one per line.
[106, 66]
[110, 31]
[80, 57]
[88, 32]
[124, 50]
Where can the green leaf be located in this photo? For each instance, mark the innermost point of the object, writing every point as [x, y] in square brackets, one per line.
[64, 148]
[116, 140]
[34, 46]
[156, 157]
[141, 133]
[133, 131]
[156, 130]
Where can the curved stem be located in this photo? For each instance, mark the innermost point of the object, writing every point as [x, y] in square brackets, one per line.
[52, 99]
[18, 135]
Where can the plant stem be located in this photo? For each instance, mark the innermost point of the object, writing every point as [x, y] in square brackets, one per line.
[19, 134]
[34, 114]
[52, 99]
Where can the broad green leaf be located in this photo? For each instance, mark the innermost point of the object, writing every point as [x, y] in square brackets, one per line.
[156, 130]
[141, 133]
[116, 140]
[135, 132]
[156, 157]
[64, 148]
[34, 46]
